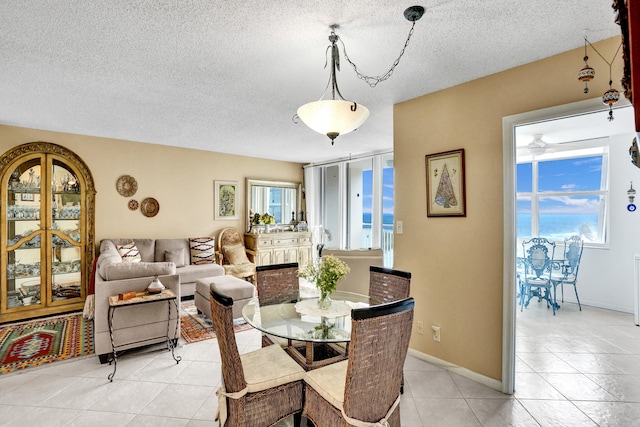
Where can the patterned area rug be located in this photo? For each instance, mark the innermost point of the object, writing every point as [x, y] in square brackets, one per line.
[36, 342]
[196, 327]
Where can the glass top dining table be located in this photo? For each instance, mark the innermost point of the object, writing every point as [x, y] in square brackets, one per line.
[315, 336]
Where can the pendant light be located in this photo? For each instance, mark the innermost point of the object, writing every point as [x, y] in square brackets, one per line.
[334, 117]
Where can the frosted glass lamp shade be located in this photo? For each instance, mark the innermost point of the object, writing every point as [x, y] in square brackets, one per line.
[333, 117]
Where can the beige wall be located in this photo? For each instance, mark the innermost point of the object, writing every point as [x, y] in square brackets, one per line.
[456, 263]
[180, 179]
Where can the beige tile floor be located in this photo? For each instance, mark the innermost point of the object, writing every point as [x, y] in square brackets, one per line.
[574, 369]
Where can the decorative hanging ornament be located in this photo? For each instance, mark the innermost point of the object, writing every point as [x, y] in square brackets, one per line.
[611, 96]
[587, 73]
[631, 193]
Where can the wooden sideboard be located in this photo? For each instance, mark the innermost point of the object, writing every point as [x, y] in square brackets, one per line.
[280, 248]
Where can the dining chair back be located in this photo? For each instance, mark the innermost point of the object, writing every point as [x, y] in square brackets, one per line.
[573, 247]
[272, 282]
[276, 279]
[366, 387]
[258, 388]
[386, 285]
[539, 262]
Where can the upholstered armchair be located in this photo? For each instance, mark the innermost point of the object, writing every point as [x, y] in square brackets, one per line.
[232, 255]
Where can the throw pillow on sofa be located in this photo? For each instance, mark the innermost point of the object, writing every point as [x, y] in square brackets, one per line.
[202, 250]
[235, 254]
[175, 256]
[129, 252]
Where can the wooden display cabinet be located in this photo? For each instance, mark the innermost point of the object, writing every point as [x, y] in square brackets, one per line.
[46, 237]
[280, 248]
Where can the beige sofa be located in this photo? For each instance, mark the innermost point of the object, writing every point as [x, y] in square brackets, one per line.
[170, 260]
[155, 256]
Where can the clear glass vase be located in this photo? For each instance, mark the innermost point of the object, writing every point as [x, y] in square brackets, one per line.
[324, 302]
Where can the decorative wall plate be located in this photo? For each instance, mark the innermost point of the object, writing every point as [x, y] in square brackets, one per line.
[126, 186]
[133, 204]
[149, 207]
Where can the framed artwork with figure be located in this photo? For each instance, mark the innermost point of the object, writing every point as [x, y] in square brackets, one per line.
[446, 184]
[226, 200]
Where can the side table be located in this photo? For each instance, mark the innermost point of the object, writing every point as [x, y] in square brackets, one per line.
[143, 298]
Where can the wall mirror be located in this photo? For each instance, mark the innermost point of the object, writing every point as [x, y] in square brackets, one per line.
[281, 199]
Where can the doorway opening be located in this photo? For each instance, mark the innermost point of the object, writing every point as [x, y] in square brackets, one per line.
[583, 121]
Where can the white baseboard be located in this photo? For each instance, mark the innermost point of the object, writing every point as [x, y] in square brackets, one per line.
[464, 372]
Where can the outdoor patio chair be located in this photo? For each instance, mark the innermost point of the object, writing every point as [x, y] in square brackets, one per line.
[539, 263]
[568, 272]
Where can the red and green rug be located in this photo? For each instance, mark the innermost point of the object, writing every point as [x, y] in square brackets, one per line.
[196, 327]
[36, 342]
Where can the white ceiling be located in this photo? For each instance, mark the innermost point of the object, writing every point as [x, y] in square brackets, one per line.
[227, 76]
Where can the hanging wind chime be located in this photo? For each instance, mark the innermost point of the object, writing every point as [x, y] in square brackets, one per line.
[586, 74]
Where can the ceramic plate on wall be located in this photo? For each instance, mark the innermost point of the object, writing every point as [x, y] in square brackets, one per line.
[149, 207]
[133, 204]
[126, 186]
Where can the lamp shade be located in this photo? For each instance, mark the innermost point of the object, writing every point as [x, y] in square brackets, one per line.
[333, 117]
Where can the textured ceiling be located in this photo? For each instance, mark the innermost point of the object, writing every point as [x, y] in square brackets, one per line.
[227, 76]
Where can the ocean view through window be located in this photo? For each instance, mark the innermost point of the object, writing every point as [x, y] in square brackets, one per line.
[564, 194]
[356, 204]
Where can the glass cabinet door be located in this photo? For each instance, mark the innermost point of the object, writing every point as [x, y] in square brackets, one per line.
[65, 234]
[24, 225]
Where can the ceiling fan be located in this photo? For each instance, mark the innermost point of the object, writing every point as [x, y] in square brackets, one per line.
[539, 146]
[536, 147]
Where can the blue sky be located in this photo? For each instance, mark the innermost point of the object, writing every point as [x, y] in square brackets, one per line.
[387, 191]
[566, 175]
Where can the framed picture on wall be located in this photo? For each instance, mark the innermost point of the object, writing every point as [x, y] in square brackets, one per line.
[446, 184]
[226, 200]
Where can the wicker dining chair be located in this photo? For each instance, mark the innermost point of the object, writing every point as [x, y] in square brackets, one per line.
[387, 285]
[272, 281]
[366, 387]
[258, 388]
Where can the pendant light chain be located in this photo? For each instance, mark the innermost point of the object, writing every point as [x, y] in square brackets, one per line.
[374, 80]
[334, 117]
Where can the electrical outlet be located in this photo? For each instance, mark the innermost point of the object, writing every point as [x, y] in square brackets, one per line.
[436, 333]
[399, 227]
[420, 328]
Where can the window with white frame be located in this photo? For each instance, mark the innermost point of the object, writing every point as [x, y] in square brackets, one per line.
[564, 192]
[356, 204]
